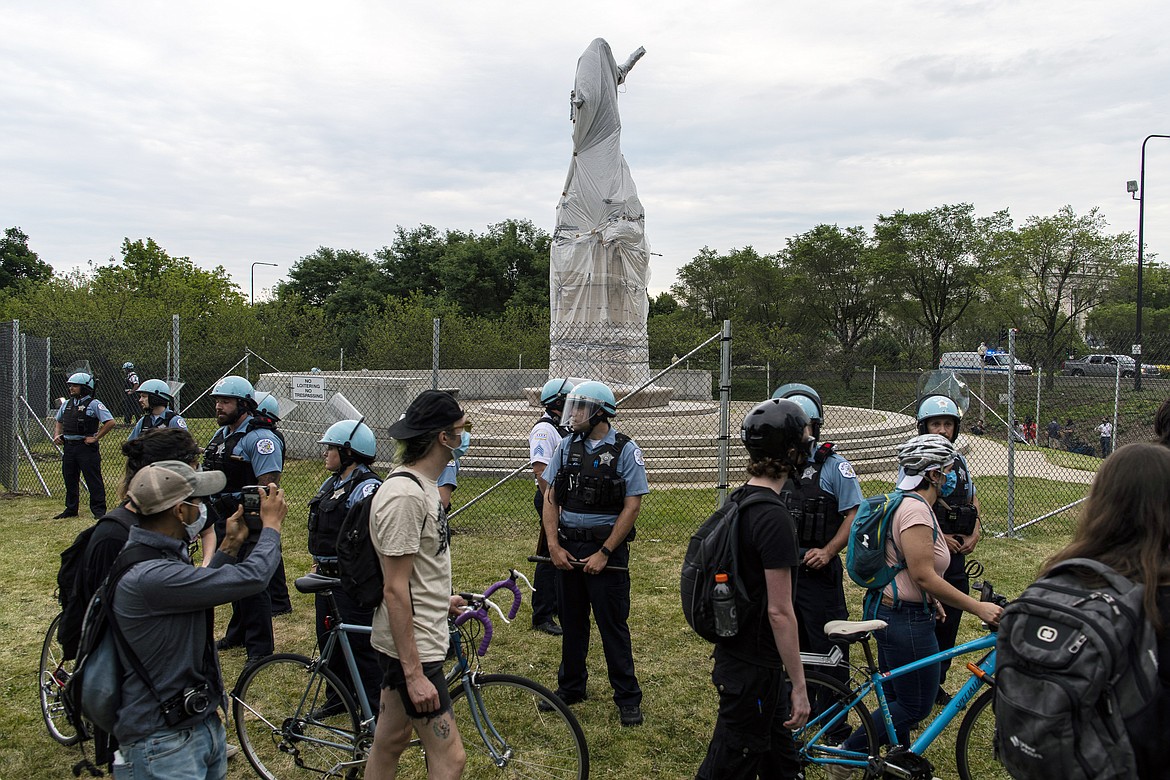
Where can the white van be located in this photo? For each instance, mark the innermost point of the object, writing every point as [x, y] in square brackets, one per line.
[970, 361]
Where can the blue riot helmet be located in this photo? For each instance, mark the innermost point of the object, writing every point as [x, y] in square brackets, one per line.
[158, 392]
[552, 395]
[82, 379]
[938, 406]
[267, 405]
[127, 366]
[595, 398]
[808, 399]
[235, 387]
[352, 437]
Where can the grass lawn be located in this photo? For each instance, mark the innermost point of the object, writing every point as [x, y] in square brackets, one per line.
[673, 664]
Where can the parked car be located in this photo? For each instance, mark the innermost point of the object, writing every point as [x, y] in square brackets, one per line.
[970, 361]
[1105, 365]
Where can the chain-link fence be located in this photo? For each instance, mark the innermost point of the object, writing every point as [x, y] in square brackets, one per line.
[684, 417]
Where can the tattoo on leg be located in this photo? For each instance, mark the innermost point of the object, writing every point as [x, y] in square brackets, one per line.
[441, 727]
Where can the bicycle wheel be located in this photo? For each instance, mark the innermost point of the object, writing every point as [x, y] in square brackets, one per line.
[284, 727]
[504, 712]
[975, 755]
[831, 721]
[52, 676]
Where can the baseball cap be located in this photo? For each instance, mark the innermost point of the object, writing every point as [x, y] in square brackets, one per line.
[165, 483]
[432, 410]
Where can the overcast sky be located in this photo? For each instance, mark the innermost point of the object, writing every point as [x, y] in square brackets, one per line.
[235, 132]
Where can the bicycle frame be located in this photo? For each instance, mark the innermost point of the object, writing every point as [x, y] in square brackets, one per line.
[935, 727]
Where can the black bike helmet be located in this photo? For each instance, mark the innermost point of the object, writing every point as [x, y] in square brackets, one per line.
[773, 428]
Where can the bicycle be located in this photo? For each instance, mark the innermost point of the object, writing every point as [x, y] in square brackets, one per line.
[53, 673]
[509, 724]
[839, 711]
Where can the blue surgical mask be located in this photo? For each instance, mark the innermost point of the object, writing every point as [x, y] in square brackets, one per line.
[949, 486]
[464, 443]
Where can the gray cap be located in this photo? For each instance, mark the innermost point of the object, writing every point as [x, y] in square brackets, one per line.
[163, 484]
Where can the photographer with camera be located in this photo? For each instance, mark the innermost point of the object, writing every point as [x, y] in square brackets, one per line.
[168, 725]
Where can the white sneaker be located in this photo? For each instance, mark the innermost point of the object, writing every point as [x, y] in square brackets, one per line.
[232, 750]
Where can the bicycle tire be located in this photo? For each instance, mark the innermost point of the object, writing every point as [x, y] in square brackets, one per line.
[51, 683]
[273, 704]
[832, 697]
[975, 756]
[538, 744]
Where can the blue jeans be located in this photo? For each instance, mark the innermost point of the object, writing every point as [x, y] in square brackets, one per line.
[177, 754]
[908, 636]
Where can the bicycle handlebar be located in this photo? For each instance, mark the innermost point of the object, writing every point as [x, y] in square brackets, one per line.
[479, 603]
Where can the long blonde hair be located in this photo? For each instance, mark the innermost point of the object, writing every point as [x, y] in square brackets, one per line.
[1125, 522]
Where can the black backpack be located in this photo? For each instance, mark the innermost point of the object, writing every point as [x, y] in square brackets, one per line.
[1074, 663]
[358, 564]
[69, 587]
[714, 549]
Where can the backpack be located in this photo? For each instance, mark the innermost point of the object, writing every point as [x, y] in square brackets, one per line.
[358, 564]
[69, 586]
[1074, 663]
[865, 560]
[714, 549]
[93, 693]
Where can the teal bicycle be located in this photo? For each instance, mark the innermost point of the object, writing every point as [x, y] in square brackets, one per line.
[839, 711]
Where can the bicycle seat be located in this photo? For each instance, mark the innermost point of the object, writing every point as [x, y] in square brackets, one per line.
[315, 583]
[844, 630]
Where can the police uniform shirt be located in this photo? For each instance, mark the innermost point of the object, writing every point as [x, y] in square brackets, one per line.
[176, 422]
[259, 446]
[542, 443]
[450, 476]
[366, 487]
[960, 463]
[95, 409]
[631, 467]
[840, 480]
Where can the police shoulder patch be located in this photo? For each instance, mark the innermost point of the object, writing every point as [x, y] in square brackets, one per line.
[100, 406]
[180, 422]
[369, 489]
[846, 469]
[265, 446]
[638, 457]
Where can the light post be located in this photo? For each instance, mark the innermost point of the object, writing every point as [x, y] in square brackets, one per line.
[274, 266]
[1138, 192]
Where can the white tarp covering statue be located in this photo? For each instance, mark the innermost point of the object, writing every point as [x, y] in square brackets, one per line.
[600, 260]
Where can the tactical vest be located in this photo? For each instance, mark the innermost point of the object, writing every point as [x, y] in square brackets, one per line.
[956, 513]
[588, 482]
[75, 420]
[218, 455]
[328, 509]
[813, 509]
[150, 422]
[544, 418]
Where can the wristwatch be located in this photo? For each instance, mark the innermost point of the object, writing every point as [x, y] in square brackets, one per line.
[606, 551]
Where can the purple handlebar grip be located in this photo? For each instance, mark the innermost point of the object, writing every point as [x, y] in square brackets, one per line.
[510, 585]
[485, 620]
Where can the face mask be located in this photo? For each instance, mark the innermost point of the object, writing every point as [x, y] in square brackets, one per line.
[949, 485]
[812, 448]
[461, 450]
[194, 528]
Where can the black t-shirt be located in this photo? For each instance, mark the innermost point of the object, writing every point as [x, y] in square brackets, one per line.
[767, 540]
[1148, 734]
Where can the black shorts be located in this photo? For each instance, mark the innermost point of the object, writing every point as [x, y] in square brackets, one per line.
[394, 679]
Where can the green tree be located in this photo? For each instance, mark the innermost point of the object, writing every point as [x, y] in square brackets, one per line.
[742, 285]
[844, 286]
[20, 265]
[938, 258]
[1058, 268]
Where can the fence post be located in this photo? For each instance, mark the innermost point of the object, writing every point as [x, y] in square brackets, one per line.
[1011, 421]
[435, 355]
[341, 360]
[1039, 373]
[48, 373]
[175, 356]
[873, 389]
[724, 407]
[1116, 401]
[10, 445]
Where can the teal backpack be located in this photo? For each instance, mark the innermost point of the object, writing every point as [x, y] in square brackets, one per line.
[866, 557]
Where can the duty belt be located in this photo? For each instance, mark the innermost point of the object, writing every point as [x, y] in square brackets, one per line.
[597, 533]
[327, 566]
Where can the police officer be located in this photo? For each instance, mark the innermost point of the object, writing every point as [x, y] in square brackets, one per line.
[957, 510]
[350, 448]
[81, 422]
[267, 415]
[154, 395]
[596, 479]
[822, 503]
[543, 439]
[247, 454]
[130, 398]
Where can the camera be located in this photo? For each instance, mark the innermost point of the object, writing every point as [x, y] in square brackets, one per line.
[191, 702]
[251, 503]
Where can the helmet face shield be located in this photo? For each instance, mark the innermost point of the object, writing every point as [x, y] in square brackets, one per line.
[578, 412]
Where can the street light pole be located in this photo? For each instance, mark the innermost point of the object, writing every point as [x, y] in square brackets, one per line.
[274, 266]
[1140, 197]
